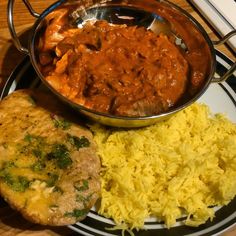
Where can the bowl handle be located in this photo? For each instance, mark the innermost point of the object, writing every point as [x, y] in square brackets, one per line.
[11, 26]
[233, 67]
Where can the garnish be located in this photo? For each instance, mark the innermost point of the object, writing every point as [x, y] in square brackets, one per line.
[76, 213]
[38, 166]
[61, 154]
[81, 185]
[34, 145]
[83, 199]
[60, 122]
[52, 180]
[37, 153]
[58, 189]
[17, 183]
[33, 138]
[78, 142]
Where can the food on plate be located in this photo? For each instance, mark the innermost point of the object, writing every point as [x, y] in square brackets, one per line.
[183, 166]
[118, 69]
[49, 170]
[50, 166]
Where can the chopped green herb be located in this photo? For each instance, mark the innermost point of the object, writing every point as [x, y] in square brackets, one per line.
[21, 184]
[64, 162]
[37, 152]
[80, 198]
[8, 164]
[77, 213]
[7, 178]
[34, 145]
[24, 149]
[60, 122]
[58, 151]
[52, 180]
[38, 166]
[28, 138]
[84, 199]
[33, 138]
[78, 142]
[81, 185]
[58, 189]
[61, 154]
[18, 183]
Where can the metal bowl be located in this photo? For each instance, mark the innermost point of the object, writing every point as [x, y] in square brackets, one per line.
[130, 12]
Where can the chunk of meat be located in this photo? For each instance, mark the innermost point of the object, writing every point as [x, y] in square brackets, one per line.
[54, 24]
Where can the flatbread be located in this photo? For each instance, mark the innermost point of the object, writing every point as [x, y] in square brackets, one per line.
[49, 170]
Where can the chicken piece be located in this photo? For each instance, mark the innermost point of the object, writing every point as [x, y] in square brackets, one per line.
[55, 22]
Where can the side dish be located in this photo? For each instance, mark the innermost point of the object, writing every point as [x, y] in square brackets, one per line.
[49, 170]
[118, 69]
[180, 167]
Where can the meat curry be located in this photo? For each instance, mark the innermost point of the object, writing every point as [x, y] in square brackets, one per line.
[115, 69]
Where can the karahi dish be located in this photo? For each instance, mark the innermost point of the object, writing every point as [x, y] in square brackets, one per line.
[181, 53]
[116, 69]
[184, 56]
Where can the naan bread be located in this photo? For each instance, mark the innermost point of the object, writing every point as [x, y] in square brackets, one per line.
[49, 170]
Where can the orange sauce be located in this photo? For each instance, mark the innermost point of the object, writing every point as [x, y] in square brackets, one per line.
[119, 69]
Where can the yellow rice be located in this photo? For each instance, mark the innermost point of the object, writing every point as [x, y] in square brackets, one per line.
[180, 166]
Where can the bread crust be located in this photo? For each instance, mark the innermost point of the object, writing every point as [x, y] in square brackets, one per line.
[49, 170]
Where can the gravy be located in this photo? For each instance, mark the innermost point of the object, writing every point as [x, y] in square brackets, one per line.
[118, 69]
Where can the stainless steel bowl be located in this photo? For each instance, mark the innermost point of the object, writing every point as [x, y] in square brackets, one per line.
[130, 12]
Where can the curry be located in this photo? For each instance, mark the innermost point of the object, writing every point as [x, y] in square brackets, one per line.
[115, 69]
